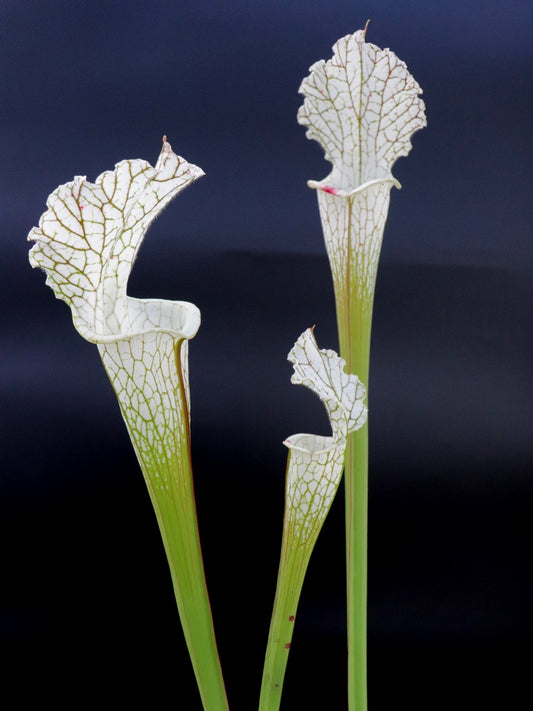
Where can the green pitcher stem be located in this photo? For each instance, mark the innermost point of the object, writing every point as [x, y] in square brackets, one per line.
[354, 323]
[177, 523]
[356, 487]
[175, 509]
[293, 566]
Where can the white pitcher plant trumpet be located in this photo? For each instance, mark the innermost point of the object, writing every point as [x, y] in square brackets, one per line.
[314, 471]
[87, 242]
[362, 106]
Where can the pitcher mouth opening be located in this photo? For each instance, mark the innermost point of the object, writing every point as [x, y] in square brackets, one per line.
[179, 319]
[313, 444]
[328, 187]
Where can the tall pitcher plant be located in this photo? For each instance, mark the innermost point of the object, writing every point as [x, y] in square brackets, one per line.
[362, 106]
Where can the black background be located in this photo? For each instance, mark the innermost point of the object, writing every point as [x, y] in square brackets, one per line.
[86, 605]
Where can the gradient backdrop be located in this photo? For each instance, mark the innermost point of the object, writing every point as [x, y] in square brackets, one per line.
[86, 605]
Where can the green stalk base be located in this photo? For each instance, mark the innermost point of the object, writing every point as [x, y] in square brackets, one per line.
[354, 324]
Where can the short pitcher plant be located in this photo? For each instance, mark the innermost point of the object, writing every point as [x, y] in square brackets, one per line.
[362, 106]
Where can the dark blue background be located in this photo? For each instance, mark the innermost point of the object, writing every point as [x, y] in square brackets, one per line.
[86, 604]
